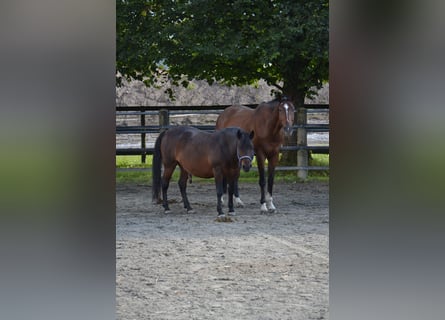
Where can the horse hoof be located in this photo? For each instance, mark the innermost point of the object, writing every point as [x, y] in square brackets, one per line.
[269, 204]
[270, 207]
[190, 211]
[239, 203]
[231, 214]
[167, 211]
[264, 208]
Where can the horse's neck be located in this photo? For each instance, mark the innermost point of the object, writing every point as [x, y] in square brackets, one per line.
[273, 123]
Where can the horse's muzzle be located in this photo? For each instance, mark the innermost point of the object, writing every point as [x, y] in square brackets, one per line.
[288, 130]
[246, 165]
[245, 162]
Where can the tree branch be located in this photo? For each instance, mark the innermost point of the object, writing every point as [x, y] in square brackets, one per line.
[278, 86]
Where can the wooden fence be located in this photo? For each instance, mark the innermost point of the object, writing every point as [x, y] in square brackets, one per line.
[164, 112]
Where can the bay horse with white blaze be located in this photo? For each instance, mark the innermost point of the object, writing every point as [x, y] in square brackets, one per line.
[203, 154]
[270, 121]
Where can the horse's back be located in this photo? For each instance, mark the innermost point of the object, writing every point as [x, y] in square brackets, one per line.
[189, 147]
[174, 135]
[177, 139]
[247, 119]
[236, 116]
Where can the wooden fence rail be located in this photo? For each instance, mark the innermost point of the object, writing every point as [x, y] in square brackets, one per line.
[164, 113]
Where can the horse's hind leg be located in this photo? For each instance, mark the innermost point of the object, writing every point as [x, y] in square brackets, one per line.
[183, 187]
[168, 171]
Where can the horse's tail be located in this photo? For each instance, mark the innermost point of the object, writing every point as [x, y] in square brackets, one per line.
[156, 169]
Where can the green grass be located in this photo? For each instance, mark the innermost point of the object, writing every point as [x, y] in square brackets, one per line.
[319, 160]
[144, 177]
[133, 162]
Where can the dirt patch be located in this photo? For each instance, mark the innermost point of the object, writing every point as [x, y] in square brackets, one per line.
[188, 266]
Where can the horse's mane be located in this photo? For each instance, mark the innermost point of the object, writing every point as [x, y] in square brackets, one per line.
[274, 102]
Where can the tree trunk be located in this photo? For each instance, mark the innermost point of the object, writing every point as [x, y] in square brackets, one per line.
[289, 158]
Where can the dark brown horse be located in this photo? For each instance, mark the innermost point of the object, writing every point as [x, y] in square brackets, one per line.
[220, 154]
[271, 121]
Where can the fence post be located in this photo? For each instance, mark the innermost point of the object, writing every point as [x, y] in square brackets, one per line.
[302, 154]
[144, 152]
[164, 119]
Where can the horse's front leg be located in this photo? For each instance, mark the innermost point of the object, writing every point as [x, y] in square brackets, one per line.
[272, 163]
[238, 201]
[219, 183]
[262, 182]
[231, 190]
[224, 189]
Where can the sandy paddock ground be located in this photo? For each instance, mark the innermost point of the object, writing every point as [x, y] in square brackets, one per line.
[188, 266]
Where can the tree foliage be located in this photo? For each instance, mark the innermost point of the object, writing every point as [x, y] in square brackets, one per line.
[236, 42]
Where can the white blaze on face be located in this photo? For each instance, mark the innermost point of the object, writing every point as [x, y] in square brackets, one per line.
[286, 108]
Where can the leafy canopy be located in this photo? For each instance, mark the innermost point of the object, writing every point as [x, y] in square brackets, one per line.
[235, 42]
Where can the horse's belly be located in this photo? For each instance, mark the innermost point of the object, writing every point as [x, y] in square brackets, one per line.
[202, 173]
[199, 170]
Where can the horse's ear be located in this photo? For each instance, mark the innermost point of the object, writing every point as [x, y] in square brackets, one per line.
[251, 135]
